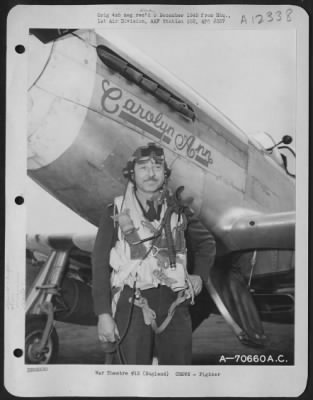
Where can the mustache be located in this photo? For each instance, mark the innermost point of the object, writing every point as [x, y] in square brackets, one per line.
[151, 180]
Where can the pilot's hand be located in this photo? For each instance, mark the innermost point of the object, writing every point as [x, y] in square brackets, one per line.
[196, 283]
[107, 329]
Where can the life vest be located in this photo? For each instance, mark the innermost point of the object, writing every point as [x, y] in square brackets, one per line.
[153, 269]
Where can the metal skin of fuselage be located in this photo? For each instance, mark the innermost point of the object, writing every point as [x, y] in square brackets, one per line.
[86, 118]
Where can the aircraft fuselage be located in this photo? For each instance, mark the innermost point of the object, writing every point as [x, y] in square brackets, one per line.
[87, 117]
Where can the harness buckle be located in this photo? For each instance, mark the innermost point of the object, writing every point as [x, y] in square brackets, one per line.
[138, 294]
[155, 251]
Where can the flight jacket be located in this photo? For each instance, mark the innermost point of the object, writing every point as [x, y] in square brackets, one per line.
[200, 245]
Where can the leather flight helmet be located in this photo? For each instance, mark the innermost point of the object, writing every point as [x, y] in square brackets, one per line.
[151, 150]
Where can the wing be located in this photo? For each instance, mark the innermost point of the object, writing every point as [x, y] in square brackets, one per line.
[243, 231]
[80, 246]
[239, 231]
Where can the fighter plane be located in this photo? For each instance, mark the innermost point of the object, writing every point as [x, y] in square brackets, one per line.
[91, 103]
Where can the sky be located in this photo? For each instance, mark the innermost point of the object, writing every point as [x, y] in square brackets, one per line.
[248, 75]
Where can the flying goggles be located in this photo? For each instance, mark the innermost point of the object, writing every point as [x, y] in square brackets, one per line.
[152, 150]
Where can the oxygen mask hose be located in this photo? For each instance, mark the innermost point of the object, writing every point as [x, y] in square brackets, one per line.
[174, 206]
[122, 337]
[169, 239]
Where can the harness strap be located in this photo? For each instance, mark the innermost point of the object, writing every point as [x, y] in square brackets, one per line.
[190, 290]
[149, 315]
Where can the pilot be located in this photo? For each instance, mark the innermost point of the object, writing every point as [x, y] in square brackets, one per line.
[142, 288]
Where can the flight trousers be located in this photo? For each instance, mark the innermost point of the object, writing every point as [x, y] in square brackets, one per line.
[173, 346]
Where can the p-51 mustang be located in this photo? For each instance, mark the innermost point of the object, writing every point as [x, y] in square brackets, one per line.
[91, 103]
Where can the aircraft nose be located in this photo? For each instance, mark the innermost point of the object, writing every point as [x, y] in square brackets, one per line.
[61, 82]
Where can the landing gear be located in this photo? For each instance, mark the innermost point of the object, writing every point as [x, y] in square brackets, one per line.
[37, 352]
[41, 341]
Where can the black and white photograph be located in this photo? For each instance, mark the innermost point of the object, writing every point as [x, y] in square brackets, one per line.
[157, 241]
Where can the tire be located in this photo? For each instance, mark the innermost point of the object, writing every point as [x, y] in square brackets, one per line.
[35, 325]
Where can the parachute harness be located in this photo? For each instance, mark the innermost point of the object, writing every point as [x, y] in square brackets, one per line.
[149, 315]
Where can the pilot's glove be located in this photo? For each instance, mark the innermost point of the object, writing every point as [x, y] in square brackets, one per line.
[107, 329]
[196, 283]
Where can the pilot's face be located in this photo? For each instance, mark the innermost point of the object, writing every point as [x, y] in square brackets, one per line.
[149, 175]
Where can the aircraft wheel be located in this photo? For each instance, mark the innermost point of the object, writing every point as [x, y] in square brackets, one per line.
[35, 325]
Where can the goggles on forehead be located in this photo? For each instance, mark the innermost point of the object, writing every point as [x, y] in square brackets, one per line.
[151, 150]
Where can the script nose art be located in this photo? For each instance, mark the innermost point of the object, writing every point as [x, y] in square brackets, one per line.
[61, 81]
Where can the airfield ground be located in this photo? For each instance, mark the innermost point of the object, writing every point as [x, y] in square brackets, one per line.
[212, 340]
